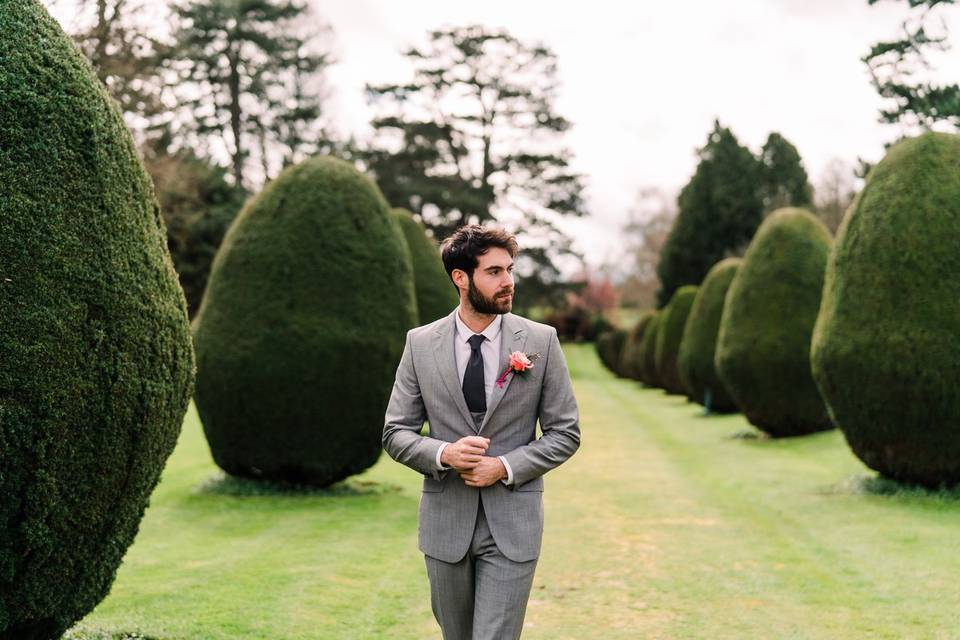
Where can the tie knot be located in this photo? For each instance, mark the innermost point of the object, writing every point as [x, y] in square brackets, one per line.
[476, 340]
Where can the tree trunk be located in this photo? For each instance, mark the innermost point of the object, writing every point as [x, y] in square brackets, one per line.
[235, 115]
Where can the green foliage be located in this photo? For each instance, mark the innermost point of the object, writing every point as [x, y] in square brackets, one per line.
[609, 347]
[198, 205]
[446, 162]
[896, 65]
[631, 363]
[246, 70]
[783, 181]
[699, 343]
[436, 295]
[96, 365]
[302, 327]
[886, 350]
[648, 352]
[576, 323]
[720, 208]
[763, 348]
[669, 335]
[499, 149]
[123, 55]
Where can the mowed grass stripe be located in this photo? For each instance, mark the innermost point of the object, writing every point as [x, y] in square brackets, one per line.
[664, 525]
[750, 536]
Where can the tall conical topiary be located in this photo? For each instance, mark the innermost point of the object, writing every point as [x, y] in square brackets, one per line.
[609, 345]
[720, 209]
[436, 294]
[669, 335]
[407, 258]
[763, 348]
[96, 364]
[699, 343]
[630, 358]
[648, 352]
[886, 349]
[302, 326]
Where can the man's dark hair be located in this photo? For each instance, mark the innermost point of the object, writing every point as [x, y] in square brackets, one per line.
[462, 249]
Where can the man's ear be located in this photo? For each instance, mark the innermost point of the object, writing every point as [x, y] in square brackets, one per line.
[460, 278]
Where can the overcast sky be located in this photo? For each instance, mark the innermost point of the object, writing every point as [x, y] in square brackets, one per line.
[642, 82]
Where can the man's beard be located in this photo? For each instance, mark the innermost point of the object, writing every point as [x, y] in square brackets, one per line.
[489, 306]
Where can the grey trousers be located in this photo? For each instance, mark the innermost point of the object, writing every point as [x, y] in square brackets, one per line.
[484, 596]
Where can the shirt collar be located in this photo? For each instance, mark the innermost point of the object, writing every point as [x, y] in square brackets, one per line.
[491, 332]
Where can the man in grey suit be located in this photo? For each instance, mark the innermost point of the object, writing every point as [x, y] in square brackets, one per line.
[481, 510]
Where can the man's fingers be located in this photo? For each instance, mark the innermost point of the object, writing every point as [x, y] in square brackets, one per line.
[476, 441]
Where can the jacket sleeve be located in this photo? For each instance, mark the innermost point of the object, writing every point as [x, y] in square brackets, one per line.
[559, 422]
[404, 420]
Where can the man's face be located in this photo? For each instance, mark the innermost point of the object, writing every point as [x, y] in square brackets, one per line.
[490, 290]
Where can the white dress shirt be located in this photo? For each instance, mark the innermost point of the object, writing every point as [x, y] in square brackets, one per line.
[490, 350]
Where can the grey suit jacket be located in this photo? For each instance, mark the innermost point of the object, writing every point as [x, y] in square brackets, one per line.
[427, 388]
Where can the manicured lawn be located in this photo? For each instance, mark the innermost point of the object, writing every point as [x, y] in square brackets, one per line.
[666, 524]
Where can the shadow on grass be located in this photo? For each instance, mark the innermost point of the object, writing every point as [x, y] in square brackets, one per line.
[713, 416]
[222, 484]
[81, 633]
[749, 434]
[876, 485]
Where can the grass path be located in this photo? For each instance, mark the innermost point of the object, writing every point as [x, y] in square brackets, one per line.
[666, 524]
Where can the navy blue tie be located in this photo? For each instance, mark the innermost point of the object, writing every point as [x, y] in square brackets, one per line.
[473, 388]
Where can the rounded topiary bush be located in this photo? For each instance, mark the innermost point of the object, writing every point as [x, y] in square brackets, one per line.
[886, 349]
[436, 294]
[630, 360]
[302, 327]
[96, 365]
[699, 343]
[648, 352]
[763, 348]
[669, 335]
[609, 346]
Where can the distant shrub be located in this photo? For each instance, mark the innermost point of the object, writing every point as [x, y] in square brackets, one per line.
[763, 348]
[699, 344]
[669, 335]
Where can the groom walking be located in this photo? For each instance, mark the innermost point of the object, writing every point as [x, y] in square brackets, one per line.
[468, 374]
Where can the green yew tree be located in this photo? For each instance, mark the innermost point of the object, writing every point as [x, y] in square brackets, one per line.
[886, 348]
[720, 209]
[302, 327]
[96, 364]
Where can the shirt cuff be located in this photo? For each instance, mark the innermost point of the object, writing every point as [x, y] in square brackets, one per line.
[509, 479]
[440, 453]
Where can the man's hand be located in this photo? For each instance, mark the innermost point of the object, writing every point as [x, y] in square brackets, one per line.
[465, 454]
[486, 473]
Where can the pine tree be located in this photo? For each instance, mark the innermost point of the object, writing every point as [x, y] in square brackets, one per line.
[243, 66]
[474, 134]
[720, 208]
[896, 67]
[784, 180]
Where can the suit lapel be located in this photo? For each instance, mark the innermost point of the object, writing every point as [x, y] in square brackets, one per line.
[443, 352]
[512, 338]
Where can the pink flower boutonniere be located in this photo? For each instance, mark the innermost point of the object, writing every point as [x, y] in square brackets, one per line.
[519, 362]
